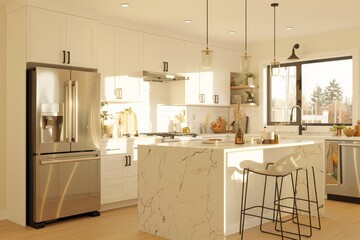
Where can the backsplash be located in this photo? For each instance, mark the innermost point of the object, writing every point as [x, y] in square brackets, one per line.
[154, 114]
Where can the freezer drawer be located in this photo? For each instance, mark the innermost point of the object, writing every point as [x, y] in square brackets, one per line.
[66, 184]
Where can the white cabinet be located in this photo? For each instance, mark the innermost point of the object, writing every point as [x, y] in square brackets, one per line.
[163, 54]
[221, 83]
[118, 171]
[56, 38]
[120, 61]
[119, 166]
[118, 174]
[205, 86]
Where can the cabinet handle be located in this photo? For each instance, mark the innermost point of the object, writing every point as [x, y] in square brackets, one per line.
[166, 66]
[216, 99]
[126, 161]
[118, 93]
[64, 56]
[68, 60]
[129, 160]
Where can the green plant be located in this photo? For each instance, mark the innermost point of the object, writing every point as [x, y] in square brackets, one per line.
[250, 75]
[336, 127]
[249, 94]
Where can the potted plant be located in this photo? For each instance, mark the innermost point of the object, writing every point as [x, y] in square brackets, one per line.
[249, 80]
[250, 97]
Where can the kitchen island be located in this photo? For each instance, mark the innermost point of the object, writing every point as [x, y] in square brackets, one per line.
[192, 190]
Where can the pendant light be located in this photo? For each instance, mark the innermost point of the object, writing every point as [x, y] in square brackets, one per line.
[207, 54]
[245, 59]
[275, 65]
[293, 55]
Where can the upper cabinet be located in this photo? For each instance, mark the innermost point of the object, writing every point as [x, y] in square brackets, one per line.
[221, 92]
[120, 54]
[61, 39]
[205, 86]
[163, 54]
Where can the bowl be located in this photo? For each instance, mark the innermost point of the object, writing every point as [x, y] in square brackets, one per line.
[221, 129]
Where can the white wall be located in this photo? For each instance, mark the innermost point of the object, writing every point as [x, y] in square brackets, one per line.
[2, 110]
[315, 46]
[15, 116]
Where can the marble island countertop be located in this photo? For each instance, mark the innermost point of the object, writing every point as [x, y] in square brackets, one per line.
[192, 191]
[229, 145]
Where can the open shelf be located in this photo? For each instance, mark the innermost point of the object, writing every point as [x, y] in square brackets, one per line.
[246, 104]
[243, 87]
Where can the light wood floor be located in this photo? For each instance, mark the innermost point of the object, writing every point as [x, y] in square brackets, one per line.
[341, 221]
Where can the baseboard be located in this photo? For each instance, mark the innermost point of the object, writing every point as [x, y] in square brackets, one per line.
[3, 215]
[115, 205]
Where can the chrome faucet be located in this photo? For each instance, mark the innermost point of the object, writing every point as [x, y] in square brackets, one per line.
[301, 128]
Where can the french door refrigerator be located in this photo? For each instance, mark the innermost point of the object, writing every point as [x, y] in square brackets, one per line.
[63, 142]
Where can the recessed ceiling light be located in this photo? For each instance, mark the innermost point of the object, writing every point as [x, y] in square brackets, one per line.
[187, 21]
[125, 5]
[232, 32]
[289, 28]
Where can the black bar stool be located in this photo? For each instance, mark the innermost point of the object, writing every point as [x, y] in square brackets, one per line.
[285, 168]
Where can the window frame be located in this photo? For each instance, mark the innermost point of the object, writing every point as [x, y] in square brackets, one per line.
[298, 66]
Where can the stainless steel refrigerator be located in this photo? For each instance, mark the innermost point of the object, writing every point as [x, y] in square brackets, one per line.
[63, 142]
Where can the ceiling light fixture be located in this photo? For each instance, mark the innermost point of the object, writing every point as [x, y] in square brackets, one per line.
[232, 32]
[289, 28]
[188, 21]
[245, 59]
[274, 65]
[293, 55]
[125, 5]
[207, 54]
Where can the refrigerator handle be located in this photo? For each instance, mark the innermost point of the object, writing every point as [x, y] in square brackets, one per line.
[75, 102]
[68, 111]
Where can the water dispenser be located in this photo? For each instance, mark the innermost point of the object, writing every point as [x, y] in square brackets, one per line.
[52, 123]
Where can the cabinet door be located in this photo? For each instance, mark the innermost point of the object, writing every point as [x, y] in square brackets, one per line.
[192, 56]
[153, 60]
[130, 62]
[221, 92]
[107, 61]
[113, 166]
[81, 41]
[206, 89]
[46, 36]
[173, 51]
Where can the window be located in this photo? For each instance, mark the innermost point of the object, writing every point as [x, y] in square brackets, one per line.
[322, 88]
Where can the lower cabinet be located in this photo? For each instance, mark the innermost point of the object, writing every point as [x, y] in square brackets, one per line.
[119, 169]
[118, 178]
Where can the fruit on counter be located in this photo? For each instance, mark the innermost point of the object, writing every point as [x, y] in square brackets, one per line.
[219, 123]
[219, 126]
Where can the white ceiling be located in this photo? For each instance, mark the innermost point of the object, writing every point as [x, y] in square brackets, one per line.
[305, 16]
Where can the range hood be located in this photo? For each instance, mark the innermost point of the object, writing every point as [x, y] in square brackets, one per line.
[162, 76]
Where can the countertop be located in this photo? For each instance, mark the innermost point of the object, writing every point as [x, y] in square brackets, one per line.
[229, 145]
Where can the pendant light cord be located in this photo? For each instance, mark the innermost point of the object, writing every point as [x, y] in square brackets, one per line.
[274, 5]
[207, 23]
[245, 27]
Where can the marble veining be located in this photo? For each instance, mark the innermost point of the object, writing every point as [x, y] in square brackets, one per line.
[183, 188]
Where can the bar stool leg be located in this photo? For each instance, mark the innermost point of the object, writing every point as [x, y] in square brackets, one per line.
[263, 204]
[243, 201]
[316, 199]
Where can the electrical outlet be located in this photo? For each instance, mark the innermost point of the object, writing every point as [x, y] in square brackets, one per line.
[193, 117]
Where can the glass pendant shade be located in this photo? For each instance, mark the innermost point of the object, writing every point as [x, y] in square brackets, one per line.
[207, 58]
[275, 68]
[245, 63]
